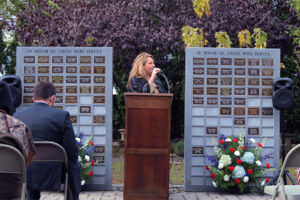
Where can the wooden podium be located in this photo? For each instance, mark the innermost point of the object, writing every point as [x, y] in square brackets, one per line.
[147, 146]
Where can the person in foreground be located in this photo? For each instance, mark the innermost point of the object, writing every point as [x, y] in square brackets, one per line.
[143, 75]
[50, 124]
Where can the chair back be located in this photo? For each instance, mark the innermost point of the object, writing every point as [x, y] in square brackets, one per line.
[292, 159]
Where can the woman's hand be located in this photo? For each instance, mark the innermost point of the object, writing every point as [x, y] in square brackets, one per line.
[155, 72]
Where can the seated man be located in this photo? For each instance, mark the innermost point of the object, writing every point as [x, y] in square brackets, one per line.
[50, 124]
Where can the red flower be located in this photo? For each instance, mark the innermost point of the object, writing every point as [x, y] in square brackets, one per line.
[268, 165]
[250, 171]
[267, 179]
[92, 163]
[221, 141]
[91, 173]
[243, 147]
[237, 181]
[213, 175]
[259, 144]
[238, 161]
[232, 149]
[207, 168]
[235, 140]
[231, 168]
[92, 143]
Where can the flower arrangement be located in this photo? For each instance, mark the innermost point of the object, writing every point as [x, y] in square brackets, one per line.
[86, 150]
[238, 164]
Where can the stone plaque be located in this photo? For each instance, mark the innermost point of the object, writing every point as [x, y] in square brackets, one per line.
[85, 109]
[85, 60]
[226, 91]
[99, 59]
[267, 111]
[29, 69]
[253, 81]
[85, 79]
[226, 81]
[99, 89]
[99, 99]
[253, 91]
[226, 71]
[198, 81]
[253, 72]
[240, 71]
[29, 79]
[59, 89]
[267, 72]
[198, 90]
[43, 78]
[239, 121]
[226, 101]
[212, 101]
[253, 131]
[73, 119]
[71, 69]
[212, 81]
[239, 111]
[28, 89]
[43, 59]
[225, 111]
[253, 111]
[198, 100]
[212, 91]
[99, 79]
[239, 81]
[57, 69]
[99, 149]
[267, 62]
[226, 61]
[57, 59]
[239, 101]
[85, 70]
[71, 89]
[266, 91]
[71, 79]
[198, 61]
[43, 69]
[212, 71]
[100, 159]
[57, 79]
[212, 61]
[99, 119]
[71, 59]
[198, 71]
[239, 91]
[267, 81]
[27, 99]
[212, 130]
[29, 59]
[59, 99]
[198, 150]
[58, 107]
[71, 99]
[85, 89]
[99, 69]
[240, 62]
[253, 62]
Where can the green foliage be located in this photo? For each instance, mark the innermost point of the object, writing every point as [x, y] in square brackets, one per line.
[11, 53]
[244, 38]
[193, 37]
[201, 7]
[3, 58]
[260, 38]
[179, 148]
[223, 40]
[296, 4]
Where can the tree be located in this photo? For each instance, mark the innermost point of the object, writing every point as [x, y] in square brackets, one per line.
[3, 59]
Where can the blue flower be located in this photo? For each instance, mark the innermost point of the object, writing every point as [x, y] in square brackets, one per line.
[248, 157]
[238, 172]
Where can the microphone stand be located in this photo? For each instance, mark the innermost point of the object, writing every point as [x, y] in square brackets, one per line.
[166, 80]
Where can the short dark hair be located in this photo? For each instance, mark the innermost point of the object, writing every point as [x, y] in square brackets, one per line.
[43, 90]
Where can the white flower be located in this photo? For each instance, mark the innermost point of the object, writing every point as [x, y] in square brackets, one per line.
[82, 182]
[252, 140]
[263, 183]
[77, 139]
[246, 179]
[225, 159]
[258, 162]
[237, 153]
[221, 165]
[228, 140]
[79, 159]
[226, 178]
[87, 158]
[214, 184]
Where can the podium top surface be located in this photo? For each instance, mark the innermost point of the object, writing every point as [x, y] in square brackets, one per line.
[148, 94]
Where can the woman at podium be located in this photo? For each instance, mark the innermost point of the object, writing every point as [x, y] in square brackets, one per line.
[143, 75]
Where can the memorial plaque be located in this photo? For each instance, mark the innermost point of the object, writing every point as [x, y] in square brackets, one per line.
[212, 71]
[29, 59]
[212, 101]
[212, 61]
[198, 71]
[43, 78]
[28, 89]
[267, 81]
[226, 81]
[43, 59]
[253, 62]
[99, 119]
[71, 59]
[29, 79]
[239, 111]
[85, 89]
[57, 59]
[99, 69]
[267, 62]
[267, 111]
[239, 91]
[253, 72]
[99, 89]
[198, 100]
[267, 72]
[239, 71]
[239, 121]
[73, 119]
[99, 59]
[198, 91]
[198, 150]
[198, 61]
[239, 81]
[226, 71]
[85, 59]
[226, 61]
[58, 107]
[29, 69]
[71, 79]
[226, 91]
[212, 91]
[212, 81]
[253, 131]
[239, 101]
[225, 111]
[253, 111]
[99, 99]
[59, 99]
[85, 109]
[266, 91]
[59, 89]
[71, 69]
[57, 69]
[99, 149]
[85, 70]
[71, 89]
[253, 91]
[99, 159]
[99, 79]
[240, 62]
[85, 79]
[57, 79]
[71, 99]
[253, 81]
[198, 81]
[212, 130]
[27, 99]
[226, 101]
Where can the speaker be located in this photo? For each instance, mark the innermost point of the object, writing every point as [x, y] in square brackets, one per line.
[15, 85]
[283, 94]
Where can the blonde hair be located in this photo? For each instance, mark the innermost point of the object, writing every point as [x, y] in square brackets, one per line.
[138, 66]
